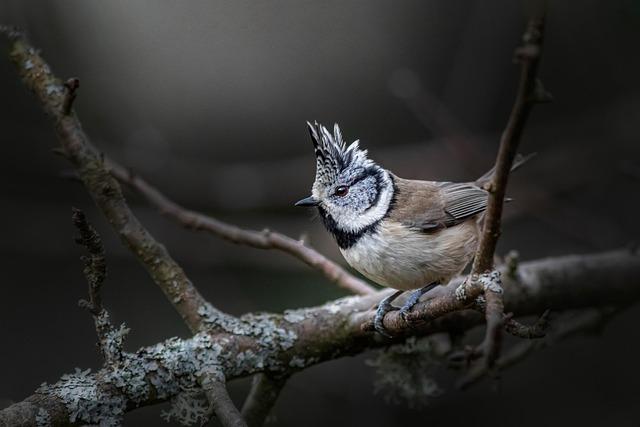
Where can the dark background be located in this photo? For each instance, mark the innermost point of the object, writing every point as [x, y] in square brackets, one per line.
[208, 100]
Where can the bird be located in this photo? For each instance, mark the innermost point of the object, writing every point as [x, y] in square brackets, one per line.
[409, 235]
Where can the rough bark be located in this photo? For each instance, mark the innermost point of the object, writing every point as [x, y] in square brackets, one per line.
[282, 344]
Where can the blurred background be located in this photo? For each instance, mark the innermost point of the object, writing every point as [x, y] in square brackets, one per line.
[208, 101]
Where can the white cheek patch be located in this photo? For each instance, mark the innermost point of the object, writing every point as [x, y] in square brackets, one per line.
[351, 221]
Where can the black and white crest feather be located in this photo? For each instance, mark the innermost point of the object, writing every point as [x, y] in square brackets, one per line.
[332, 154]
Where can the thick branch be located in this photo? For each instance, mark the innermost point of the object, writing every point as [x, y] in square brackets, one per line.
[284, 344]
[104, 189]
[266, 239]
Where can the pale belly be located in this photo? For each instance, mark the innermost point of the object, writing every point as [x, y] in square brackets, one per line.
[404, 259]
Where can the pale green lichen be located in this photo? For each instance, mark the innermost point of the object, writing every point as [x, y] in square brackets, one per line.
[111, 339]
[297, 362]
[491, 281]
[171, 370]
[300, 362]
[295, 316]
[265, 328]
[403, 372]
[43, 419]
[342, 304]
[511, 262]
[461, 291]
[52, 89]
[188, 408]
[85, 401]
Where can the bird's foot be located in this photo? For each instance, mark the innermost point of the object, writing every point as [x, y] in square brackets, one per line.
[383, 308]
[414, 298]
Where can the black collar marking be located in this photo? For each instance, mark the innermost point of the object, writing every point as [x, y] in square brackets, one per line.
[347, 239]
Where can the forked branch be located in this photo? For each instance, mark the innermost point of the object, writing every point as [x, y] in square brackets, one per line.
[529, 93]
[265, 239]
[56, 98]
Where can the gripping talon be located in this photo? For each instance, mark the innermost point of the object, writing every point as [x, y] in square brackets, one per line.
[383, 308]
[414, 298]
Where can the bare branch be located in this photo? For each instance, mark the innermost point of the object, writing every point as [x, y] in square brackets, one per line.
[221, 403]
[529, 92]
[527, 95]
[104, 189]
[265, 239]
[264, 392]
[298, 339]
[585, 321]
[537, 330]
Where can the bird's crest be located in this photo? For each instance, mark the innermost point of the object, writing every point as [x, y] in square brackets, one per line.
[332, 154]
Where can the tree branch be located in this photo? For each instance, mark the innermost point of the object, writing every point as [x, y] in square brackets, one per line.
[95, 269]
[110, 339]
[264, 392]
[529, 92]
[184, 371]
[582, 322]
[265, 239]
[104, 189]
[283, 344]
[221, 403]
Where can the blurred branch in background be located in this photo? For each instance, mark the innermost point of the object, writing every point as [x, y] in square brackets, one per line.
[445, 128]
[586, 321]
[265, 239]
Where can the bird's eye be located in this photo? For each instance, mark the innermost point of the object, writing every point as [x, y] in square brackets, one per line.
[342, 191]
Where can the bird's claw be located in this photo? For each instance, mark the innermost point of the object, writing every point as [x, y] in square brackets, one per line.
[378, 321]
[413, 300]
[404, 313]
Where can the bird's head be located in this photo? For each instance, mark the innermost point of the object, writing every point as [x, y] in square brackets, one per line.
[350, 190]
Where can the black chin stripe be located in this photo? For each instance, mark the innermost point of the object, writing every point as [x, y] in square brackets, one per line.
[345, 239]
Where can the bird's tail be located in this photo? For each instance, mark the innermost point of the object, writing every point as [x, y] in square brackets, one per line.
[517, 162]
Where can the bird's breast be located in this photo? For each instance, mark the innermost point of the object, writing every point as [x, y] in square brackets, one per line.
[403, 258]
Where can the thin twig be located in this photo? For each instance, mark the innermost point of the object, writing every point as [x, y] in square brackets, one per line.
[95, 269]
[264, 392]
[71, 86]
[266, 239]
[104, 189]
[529, 92]
[537, 330]
[110, 339]
[221, 404]
[585, 321]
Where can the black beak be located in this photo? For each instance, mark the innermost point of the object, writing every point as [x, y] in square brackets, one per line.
[307, 201]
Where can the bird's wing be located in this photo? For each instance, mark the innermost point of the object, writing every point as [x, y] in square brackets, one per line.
[462, 201]
[430, 206]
